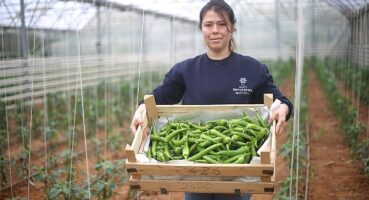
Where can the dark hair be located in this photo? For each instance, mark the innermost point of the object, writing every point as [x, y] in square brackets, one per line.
[223, 10]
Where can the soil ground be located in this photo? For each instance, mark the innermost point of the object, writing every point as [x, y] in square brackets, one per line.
[334, 175]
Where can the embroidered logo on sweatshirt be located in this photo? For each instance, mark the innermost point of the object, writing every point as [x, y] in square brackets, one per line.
[243, 80]
[242, 88]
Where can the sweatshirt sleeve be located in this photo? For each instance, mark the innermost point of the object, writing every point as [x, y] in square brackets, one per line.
[267, 86]
[172, 89]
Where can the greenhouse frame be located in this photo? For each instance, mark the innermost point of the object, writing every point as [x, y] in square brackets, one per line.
[73, 73]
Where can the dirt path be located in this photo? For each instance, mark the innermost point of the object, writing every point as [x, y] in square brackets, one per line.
[334, 175]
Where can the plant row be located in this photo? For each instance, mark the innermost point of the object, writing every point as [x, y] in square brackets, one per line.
[354, 76]
[351, 127]
[60, 120]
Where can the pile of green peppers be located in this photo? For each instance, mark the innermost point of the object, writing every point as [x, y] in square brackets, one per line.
[233, 141]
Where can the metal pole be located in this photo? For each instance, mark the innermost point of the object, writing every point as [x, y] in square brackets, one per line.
[173, 39]
[277, 30]
[98, 29]
[24, 39]
[313, 37]
[24, 50]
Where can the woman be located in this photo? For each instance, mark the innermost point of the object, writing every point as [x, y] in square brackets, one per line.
[220, 76]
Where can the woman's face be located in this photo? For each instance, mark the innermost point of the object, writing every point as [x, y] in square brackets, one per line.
[217, 32]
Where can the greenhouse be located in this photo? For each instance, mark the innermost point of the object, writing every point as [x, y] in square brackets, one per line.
[75, 76]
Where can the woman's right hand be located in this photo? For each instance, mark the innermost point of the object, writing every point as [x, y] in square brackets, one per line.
[137, 118]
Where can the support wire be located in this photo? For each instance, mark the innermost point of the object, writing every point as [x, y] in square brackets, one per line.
[298, 78]
[30, 122]
[141, 54]
[83, 113]
[45, 100]
[7, 125]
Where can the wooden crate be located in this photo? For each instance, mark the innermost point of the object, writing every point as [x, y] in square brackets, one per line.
[265, 170]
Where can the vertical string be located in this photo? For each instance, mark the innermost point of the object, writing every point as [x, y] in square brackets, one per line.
[301, 46]
[72, 138]
[173, 40]
[30, 125]
[295, 108]
[7, 121]
[298, 78]
[366, 62]
[132, 59]
[45, 100]
[105, 81]
[83, 111]
[132, 51]
[140, 63]
[358, 44]
[107, 91]
[141, 54]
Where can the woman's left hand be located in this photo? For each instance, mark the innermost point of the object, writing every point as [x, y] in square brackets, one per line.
[279, 114]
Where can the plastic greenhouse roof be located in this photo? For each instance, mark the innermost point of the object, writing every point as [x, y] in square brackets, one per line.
[347, 7]
[47, 14]
[187, 9]
[75, 14]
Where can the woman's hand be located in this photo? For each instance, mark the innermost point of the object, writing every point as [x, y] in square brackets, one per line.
[279, 114]
[137, 118]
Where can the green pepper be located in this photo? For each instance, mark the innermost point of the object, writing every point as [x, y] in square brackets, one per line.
[220, 128]
[261, 122]
[149, 153]
[226, 132]
[204, 152]
[193, 147]
[205, 143]
[153, 148]
[174, 133]
[253, 147]
[240, 150]
[240, 160]
[213, 140]
[160, 156]
[185, 150]
[178, 150]
[238, 129]
[201, 161]
[221, 122]
[233, 158]
[243, 136]
[166, 152]
[157, 138]
[225, 138]
[210, 160]
[179, 157]
[183, 140]
[254, 127]
[197, 127]
[238, 122]
[263, 132]
[163, 133]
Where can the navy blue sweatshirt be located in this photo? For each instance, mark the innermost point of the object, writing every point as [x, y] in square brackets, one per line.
[236, 79]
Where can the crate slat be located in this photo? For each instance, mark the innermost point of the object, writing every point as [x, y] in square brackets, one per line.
[200, 169]
[165, 110]
[236, 187]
